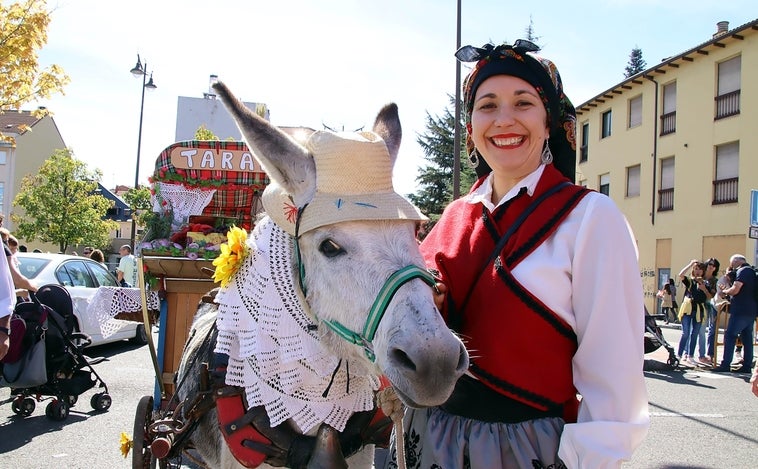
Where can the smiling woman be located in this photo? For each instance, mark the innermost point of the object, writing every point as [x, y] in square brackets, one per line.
[522, 266]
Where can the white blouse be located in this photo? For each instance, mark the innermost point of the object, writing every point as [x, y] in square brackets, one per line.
[588, 273]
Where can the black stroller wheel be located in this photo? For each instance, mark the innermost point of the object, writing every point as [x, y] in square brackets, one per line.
[72, 400]
[101, 402]
[57, 410]
[23, 406]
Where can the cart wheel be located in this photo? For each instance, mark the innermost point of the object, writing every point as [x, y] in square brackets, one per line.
[101, 401]
[72, 400]
[142, 457]
[57, 410]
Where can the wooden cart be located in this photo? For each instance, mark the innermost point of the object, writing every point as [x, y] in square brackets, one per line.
[211, 182]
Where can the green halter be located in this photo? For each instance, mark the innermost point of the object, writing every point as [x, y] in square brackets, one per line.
[378, 309]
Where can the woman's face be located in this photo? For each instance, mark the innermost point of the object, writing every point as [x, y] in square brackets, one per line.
[509, 125]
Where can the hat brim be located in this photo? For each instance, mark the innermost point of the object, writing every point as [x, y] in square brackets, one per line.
[326, 209]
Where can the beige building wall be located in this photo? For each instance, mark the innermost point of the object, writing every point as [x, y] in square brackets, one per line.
[698, 225]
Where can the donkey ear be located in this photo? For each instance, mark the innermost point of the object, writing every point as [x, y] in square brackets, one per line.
[387, 126]
[286, 162]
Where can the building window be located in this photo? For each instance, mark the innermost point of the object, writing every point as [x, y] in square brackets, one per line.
[582, 182]
[605, 184]
[2, 197]
[668, 119]
[635, 112]
[584, 149]
[666, 192]
[606, 132]
[728, 94]
[633, 181]
[727, 173]
[3, 156]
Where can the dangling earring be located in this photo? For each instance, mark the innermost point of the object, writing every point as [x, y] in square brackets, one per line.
[547, 155]
[473, 158]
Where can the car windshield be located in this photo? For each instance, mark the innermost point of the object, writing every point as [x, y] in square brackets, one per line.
[30, 267]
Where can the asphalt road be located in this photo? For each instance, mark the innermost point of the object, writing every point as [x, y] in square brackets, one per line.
[699, 419]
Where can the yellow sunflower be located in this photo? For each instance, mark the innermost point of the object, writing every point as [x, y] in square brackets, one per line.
[126, 443]
[233, 252]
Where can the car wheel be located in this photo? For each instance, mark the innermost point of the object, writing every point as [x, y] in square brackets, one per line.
[140, 335]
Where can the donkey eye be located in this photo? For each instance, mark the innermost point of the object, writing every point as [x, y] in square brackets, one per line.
[330, 249]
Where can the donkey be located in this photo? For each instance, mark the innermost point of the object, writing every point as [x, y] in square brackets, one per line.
[337, 246]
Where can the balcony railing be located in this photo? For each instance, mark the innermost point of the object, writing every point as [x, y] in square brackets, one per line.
[668, 123]
[583, 151]
[665, 199]
[725, 191]
[727, 104]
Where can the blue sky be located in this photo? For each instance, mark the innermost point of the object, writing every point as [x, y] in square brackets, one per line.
[333, 62]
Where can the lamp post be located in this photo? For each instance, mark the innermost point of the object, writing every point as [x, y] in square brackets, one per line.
[137, 71]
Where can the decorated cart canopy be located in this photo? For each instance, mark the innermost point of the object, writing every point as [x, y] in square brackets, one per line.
[199, 189]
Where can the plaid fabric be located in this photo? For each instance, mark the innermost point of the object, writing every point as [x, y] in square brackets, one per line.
[236, 191]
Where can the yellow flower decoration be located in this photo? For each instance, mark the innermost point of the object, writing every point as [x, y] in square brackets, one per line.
[126, 443]
[233, 252]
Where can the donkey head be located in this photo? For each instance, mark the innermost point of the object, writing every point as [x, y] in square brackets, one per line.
[360, 267]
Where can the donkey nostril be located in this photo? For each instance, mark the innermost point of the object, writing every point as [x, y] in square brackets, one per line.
[401, 359]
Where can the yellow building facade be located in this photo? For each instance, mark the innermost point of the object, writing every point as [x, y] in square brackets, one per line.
[675, 147]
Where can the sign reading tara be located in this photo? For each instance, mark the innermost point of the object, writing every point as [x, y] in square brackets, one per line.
[214, 159]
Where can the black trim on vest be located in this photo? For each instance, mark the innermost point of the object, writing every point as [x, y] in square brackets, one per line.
[536, 239]
[534, 305]
[517, 391]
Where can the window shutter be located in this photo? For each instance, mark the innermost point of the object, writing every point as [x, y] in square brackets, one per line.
[729, 75]
[669, 98]
[667, 173]
[727, 161]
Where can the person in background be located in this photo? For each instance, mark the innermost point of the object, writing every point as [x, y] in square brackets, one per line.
[707, 337]
[666, 303]
[20, 281]
[97, 255]
[87, 251]
[742, 314]
[698, 295]
[548, 283]
[126, 271]
[7, 303]
[22, 248]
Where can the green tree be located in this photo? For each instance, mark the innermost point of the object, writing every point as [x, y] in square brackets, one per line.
[140, 201]
[636, 63]
[23, 31]
[61, 206]
[435, 179]
[203, 133]
[529, 33]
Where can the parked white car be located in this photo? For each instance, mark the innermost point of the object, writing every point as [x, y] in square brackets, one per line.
[82, 277]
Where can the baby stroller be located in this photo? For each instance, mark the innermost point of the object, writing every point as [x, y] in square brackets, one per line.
[49, 317]
[654, 339]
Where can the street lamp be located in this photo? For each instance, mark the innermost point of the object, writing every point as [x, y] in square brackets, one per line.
[140, 71]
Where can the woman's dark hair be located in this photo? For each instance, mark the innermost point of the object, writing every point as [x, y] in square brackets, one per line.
[667, 288]
[97, 255]
[715, 263]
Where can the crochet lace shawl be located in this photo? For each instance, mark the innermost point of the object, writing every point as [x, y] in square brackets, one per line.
[273, 353]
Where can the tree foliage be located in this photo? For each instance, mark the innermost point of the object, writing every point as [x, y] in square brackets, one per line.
[23, 31]
[530, 35]
[203, 133]
[61, 205]
[636, 63]
[435, 179]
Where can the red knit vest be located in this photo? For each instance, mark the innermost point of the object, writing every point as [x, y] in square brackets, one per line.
[518, 346]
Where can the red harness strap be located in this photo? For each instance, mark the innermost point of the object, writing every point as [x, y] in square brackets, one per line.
[252, 441]
[231, 410]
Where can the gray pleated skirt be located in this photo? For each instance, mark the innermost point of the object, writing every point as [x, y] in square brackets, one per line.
[435, 439]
